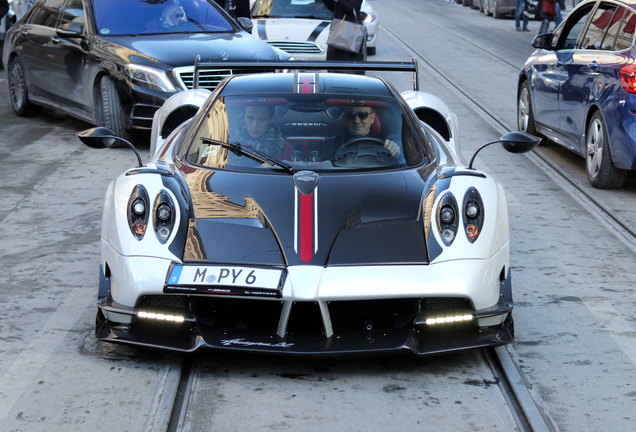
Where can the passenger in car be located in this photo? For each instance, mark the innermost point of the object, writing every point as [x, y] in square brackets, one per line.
[257, 129]
[361, 122]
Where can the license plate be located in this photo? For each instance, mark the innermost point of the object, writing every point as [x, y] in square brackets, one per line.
[221, 280]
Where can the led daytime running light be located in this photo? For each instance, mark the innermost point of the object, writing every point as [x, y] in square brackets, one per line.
[161, 317]
[449, 319]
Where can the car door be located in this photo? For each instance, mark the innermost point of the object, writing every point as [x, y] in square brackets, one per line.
[34, 46]
[549, 72]
[584, 70]
[69, 43]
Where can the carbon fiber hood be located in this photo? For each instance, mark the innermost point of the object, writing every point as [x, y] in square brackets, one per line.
[348, 219]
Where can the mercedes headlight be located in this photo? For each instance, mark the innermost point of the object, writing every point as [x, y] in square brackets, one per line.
[150, 78]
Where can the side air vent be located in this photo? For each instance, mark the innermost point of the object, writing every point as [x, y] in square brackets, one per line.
[436, 121]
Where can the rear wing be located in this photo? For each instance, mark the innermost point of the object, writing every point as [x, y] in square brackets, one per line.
[268, 66]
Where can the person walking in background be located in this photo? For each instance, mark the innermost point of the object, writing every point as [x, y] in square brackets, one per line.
[519, 15]
[547, 13]
[349, 10]
[560, 6]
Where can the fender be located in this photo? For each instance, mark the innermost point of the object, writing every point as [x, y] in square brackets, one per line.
[175, 110]
[423, 103]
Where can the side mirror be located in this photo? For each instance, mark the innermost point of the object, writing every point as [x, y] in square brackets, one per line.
[514, 142]
[246, 23]
[70, 30]
[543, 41]
[101, 137]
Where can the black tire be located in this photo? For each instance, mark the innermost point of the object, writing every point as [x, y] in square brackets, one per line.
[18, 92]
[485, 7]
[111, 113]
[467, 2]
[370, 51]
[496, 14]
[600, 169]
[525, 117]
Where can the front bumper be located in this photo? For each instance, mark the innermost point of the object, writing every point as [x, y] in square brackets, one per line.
[305, 327]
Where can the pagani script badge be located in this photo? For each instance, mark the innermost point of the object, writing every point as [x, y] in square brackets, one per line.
[243, 342]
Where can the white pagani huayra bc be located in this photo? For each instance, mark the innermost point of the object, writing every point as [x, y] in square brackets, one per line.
[314, 240]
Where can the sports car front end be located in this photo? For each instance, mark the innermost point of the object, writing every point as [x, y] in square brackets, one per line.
[211, 246]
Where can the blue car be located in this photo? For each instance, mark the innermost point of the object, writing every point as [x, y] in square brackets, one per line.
[578, 89]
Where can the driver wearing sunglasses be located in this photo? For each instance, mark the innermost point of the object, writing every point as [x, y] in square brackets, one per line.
[173, 15]
[358, 122]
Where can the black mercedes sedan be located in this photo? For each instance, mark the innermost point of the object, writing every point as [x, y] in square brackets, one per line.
[114, 62]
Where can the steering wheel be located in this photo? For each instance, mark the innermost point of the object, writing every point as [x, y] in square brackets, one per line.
[357, 140]
[373, 155]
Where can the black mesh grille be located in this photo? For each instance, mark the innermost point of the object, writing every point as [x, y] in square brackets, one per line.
[237, 314]
[177, 117]
[436, 121]
[443, 305]
[305, 318]
[372, 314]
[163, 301]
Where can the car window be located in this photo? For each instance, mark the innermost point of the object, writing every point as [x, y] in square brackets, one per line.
[602, 19]
[315, 9]
[573, 27]
[46, 13]
[319, 132]
[72, 12]
[620, 35]
[158, 16]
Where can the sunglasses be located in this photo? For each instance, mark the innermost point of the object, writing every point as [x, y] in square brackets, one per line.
[362, 115]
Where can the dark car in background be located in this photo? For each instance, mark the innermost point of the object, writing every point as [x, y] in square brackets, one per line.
[114, 62]
[578, 89]
[496, 8]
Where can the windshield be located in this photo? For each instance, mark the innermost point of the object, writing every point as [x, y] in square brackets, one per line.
[126, 17]
[291, 9]
[318, 132]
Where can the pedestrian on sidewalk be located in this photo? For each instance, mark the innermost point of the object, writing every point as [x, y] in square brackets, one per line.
[547, 11]
[519, 15]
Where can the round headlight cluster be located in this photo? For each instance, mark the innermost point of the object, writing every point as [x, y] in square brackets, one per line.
[137, 211]
[447, 218]
[473, 214]
[164, 219]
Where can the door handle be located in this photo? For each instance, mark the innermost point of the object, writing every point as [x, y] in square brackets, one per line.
[55, 41]
[593, 66]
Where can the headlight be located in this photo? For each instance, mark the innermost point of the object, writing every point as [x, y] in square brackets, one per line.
[447, 219]
[370, 18]
[151, 78]
[164, 218]
[473, 214]
[137, 214]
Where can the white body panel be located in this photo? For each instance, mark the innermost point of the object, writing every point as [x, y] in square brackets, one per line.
[116, 231]
[418, 99]
[294, 35]
[195, 97]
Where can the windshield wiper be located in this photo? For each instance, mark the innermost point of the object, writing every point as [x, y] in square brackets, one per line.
[250, 151]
